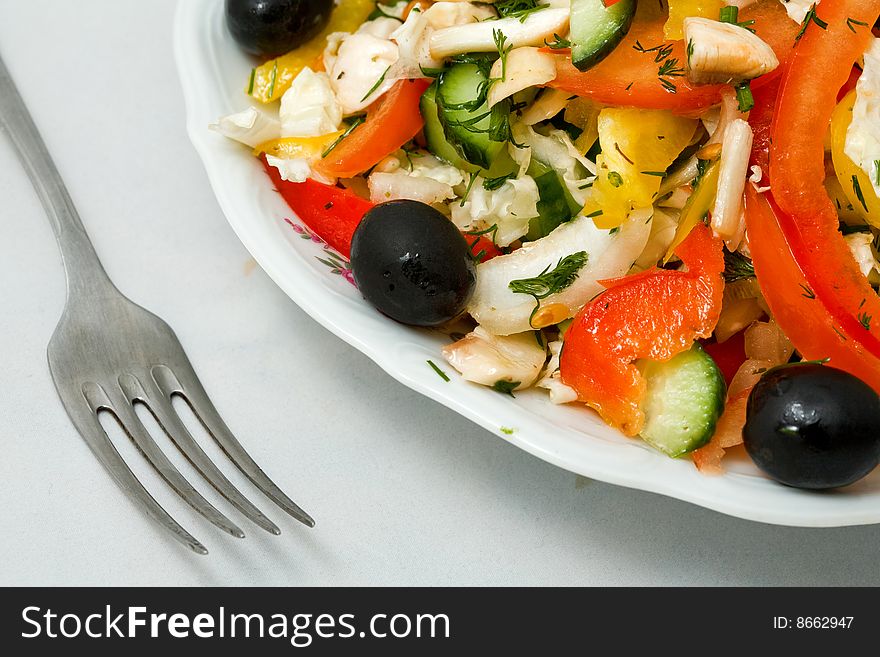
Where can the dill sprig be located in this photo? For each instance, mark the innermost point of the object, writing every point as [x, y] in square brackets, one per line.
[558, 42]
[503, 50]
[356, 121]
[377, 85]
[492, 184]
[669, 66]
[852, 22]
[470, 186]
[857, 188]
[810, 17]
[517, 8]
[737, 266]
[551, 281]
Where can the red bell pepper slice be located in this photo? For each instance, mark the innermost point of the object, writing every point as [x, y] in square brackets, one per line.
[331, 212]
[655, 314]
[482, 248]
[391, 121]
[630, 74]
[813, 328]
[810, 260]
[850, 83]
[728, 355]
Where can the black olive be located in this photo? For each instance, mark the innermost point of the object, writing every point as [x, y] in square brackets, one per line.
[412, 263]
[269, 28]
[813, 426]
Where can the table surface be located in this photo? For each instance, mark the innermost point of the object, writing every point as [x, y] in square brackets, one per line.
[404, 491]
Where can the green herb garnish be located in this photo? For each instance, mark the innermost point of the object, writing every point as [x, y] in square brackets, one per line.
[558, 42]
[503, 50]
[470, 186]
[811, 17]
[857, 188]
[506, 387]
[550, 282]
[377, 85]
[737, 266]
[670, 68]
[744, 97]
[850, 22]
[729, 15]
[440, 372]
[491, 184]
[356, 121]
[517, 8]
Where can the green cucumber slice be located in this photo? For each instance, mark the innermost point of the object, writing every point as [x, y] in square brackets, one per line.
[435, 139]
[596, 29]
[685, 398]
[434, 135]
[553, 206]
[466, 121]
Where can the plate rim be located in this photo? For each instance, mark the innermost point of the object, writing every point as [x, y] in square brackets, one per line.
[715, 493]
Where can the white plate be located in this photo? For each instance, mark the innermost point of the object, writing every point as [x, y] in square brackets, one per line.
[213, 73]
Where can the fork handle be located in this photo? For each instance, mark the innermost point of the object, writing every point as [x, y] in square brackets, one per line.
[81, 264]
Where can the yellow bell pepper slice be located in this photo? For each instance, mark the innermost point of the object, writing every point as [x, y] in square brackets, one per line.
[306, 148]
[269, 81]
[853, 179]
[697, 206]
[638, 146]
[584, 114]
[681, 9]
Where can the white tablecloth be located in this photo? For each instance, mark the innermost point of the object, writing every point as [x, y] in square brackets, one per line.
[404, 491]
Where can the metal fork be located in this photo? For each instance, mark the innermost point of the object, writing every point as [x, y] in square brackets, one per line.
[109, 354]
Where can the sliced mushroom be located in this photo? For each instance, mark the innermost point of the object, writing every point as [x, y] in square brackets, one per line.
[723, 53]
[489, 359]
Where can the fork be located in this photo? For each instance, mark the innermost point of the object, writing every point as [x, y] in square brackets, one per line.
[109, 354]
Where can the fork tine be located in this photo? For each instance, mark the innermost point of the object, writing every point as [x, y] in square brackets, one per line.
[122, 408]
[166, 416]
[85, 419]
[192, 391]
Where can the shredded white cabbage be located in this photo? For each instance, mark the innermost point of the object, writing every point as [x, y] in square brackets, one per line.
[250, 127]
[861, 246]
[418, 177]
[309, 108]
[510, 208]
[863, 135]
[552, 379]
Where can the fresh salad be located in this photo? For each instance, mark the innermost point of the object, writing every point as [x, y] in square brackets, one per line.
[667, 211]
